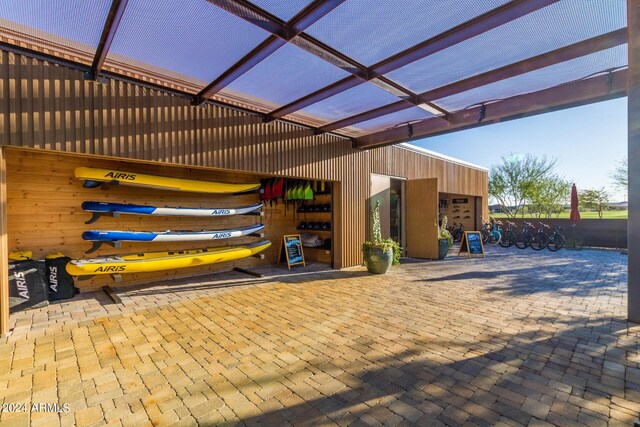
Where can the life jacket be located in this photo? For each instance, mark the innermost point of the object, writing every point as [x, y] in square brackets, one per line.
[268, 190]
[277, 188]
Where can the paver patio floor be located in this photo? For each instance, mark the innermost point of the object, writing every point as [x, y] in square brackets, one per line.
[518, 338]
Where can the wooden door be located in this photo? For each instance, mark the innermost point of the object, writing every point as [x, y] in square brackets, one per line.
[422, 218]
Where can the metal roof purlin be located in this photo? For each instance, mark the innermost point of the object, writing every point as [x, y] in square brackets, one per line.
[281, 34]
[254, 15]
[286, 32]
[108, 33]
[563, 54]
[583, 48]
[595, 89]
[478, 25]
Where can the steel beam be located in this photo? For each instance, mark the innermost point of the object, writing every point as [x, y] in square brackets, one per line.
[311, 14]
[367, 115]
[329, 54]
[108, 33]
[633, 117]
[563, 54]
[478, 25]
[317, 96]
[281, 34]
[594, 89]
[254, 15]
[253, 58]
[467, 30]
[357, 70]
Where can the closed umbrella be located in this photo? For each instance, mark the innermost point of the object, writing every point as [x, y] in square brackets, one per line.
[574, 217]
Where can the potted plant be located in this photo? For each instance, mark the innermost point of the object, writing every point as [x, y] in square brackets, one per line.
[379, 254]
[445, 239]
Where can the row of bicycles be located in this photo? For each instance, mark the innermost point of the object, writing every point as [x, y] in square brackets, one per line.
[534, 237]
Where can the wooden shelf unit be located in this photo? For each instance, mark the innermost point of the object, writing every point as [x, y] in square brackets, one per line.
[319, 254]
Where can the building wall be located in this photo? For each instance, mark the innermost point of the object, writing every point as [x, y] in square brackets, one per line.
[52, 107]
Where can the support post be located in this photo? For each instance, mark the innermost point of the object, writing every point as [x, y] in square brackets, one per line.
[4, 251]
[633, 115]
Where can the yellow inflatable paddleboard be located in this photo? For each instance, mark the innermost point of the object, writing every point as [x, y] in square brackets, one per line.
[156, 261]
[94, 177]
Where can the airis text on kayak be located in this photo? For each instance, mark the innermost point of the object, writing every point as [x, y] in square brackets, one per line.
[121, 175]
[221, 235]
[111, 268]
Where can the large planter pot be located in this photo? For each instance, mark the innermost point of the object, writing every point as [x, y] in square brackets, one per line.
[443, 248]
[379, 260]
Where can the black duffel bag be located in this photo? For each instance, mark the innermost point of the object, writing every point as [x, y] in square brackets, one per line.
[27, 287]
[60, 283]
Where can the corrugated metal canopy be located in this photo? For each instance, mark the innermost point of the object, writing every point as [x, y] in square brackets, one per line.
[379, 72]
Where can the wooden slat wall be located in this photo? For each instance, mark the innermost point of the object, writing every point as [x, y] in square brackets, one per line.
[4, 251]
[452, 177]
[51, 107]
[44, 213]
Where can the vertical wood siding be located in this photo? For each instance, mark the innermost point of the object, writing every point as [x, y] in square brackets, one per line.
[4, 249]
[52, 107]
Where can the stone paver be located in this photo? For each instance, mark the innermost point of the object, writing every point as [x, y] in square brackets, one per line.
[517, 338]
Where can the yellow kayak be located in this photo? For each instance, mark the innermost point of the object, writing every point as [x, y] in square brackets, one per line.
[156, 261]
[94, 177]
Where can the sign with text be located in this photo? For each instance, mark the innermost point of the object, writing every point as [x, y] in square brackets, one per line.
[460, 201]
[291, 245]
[471, 244]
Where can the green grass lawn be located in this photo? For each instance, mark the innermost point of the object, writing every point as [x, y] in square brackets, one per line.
[583, 215]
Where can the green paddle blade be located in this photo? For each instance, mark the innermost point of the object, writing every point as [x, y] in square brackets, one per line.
[298, 192]
[307, 193]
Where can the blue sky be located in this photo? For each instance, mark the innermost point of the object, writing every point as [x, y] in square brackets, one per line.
[588, 142]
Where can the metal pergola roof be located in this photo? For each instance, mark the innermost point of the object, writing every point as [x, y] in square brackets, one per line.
[377, 72]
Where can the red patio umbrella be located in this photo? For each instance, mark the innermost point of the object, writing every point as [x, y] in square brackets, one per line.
[574, 217]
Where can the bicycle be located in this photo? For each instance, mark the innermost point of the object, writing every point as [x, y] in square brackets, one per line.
[485, 230]
[456, 232]
[540, 239]
[508, 236]
[491, 235]
[556, 240]
[526, 237]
